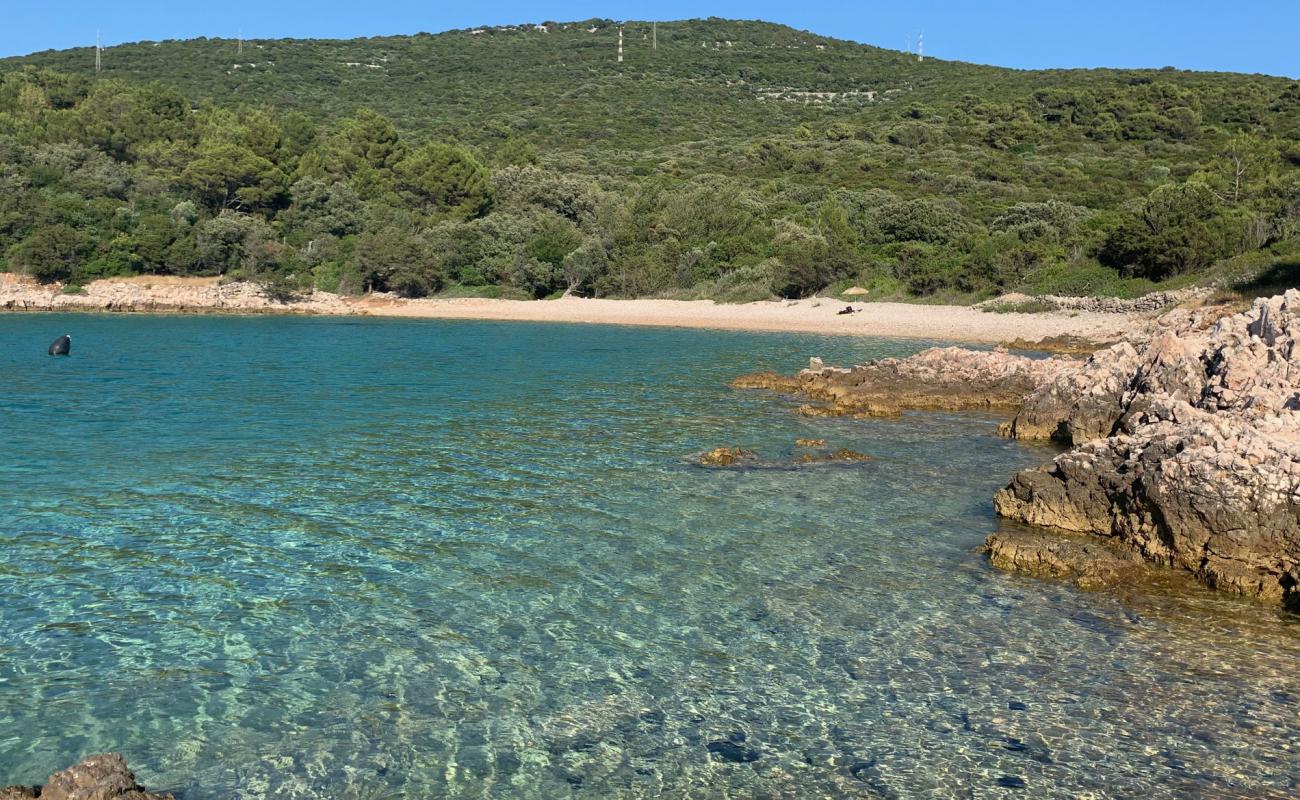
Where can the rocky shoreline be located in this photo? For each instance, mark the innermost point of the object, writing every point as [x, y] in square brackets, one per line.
[1185, 445]
[165, 296]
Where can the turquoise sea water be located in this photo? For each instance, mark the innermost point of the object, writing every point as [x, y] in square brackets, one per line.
[330, 558]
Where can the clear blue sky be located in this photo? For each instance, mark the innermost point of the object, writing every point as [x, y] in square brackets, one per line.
[1236, 35]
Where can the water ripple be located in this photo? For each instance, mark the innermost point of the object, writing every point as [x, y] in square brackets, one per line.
[295, 558]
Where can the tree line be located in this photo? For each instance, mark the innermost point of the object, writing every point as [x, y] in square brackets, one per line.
[1081, 189]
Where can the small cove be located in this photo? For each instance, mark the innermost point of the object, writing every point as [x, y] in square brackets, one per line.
[284, 557]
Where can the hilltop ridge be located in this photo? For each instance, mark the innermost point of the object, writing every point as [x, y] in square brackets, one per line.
[721, 158]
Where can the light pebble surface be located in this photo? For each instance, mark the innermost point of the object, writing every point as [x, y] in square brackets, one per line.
[812, 315]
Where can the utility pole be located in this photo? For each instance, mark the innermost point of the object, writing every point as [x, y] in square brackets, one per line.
[620, 44]
[654, 33]
[239, 48]
[920, 47]
[99, 55]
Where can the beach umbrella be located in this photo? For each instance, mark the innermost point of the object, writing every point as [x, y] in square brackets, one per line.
[856, 291]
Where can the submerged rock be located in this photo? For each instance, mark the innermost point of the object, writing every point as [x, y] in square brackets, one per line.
[1088, 563]
[99, 777]
[732, 751]
[722, 457]
[843, 454]
[725, 457]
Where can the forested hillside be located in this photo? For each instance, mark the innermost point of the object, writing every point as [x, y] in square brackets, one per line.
[727, 159]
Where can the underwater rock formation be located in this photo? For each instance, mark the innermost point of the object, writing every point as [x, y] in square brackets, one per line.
[721, 457]
[725, 457]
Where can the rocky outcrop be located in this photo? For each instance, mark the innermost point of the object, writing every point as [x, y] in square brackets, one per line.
[100, 777]
[941, 378]
[1186, 445]
[1077, 404]
[1188, 451]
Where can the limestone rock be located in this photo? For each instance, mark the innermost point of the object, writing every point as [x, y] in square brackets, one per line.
[1200, 467]
[941, 378]
[1078, 404]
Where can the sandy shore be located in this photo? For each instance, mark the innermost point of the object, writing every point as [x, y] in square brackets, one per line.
[814, 315]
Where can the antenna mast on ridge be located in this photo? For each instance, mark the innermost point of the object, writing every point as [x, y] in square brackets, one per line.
[239, 48]
[920, 47]
[99, 55]
[654, 33]
[620, 44]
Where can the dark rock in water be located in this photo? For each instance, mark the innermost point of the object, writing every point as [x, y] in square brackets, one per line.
[1016, 705]
[61, 346]
[861, 768]
[1012, 782]
[730, 751]
[869, 773]
[1036, 751]
[100, 777]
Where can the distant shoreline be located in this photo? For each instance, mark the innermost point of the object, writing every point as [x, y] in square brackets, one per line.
[169, 295]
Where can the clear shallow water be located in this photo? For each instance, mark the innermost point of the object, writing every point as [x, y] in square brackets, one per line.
[310, 558]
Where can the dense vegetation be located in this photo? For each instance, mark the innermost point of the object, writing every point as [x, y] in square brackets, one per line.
[736, 160]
